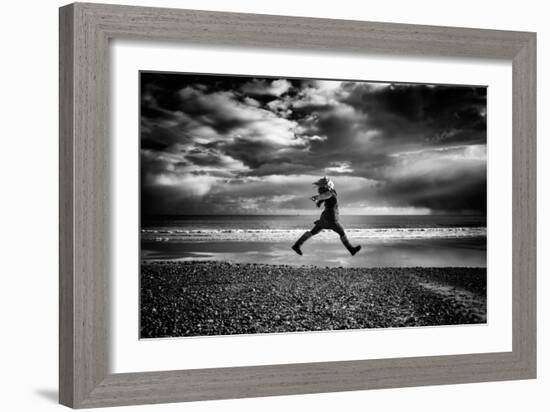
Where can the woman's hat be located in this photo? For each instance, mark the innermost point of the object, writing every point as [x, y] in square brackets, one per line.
[324, 182]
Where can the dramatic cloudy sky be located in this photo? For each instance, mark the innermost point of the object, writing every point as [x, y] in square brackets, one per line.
[241, 145]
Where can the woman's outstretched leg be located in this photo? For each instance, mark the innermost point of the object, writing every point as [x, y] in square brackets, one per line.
[296, 247]
[351, 249]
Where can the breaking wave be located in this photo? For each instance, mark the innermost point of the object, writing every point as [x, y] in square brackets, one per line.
[276, 235]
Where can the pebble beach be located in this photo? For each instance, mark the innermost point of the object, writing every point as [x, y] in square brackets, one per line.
[203, 298]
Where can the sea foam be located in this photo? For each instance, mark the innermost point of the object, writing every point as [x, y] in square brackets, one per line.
[284, 235]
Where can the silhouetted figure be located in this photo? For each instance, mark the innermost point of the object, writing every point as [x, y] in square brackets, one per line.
[329, 218]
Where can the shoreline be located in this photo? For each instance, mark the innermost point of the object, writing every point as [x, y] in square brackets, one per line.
[466, 252]
[198, 298]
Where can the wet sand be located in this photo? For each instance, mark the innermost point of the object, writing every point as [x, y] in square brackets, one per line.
[465, 252]
[200, 298]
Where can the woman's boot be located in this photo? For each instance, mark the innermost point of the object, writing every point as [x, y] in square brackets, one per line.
[351, 249]
[300, 242]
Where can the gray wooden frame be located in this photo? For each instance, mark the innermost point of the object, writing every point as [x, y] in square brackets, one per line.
[85, 31]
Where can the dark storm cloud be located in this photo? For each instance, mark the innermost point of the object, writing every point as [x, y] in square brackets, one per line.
[421, 112]
[218, 144]
[464, 193]
[440, 179]
[464, 190]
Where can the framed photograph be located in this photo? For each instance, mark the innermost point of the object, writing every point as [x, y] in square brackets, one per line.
[256, 205]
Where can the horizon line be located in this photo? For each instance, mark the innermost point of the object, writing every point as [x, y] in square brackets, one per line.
[313, 214]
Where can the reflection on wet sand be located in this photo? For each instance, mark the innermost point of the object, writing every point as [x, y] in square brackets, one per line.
[462, 252]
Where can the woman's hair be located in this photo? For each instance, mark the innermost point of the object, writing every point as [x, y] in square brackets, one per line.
[324, 189]
[325, 181]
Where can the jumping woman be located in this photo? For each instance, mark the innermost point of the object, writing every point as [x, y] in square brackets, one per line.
[329, 218]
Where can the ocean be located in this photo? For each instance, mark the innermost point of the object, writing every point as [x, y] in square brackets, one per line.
[387, 241]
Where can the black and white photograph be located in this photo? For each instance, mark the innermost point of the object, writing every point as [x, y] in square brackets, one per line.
[280, 205]
[275, 206]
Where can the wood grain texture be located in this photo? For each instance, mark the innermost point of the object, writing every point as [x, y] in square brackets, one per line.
[66, 228]
[85, 31]
[85, 189]
[524, 228]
